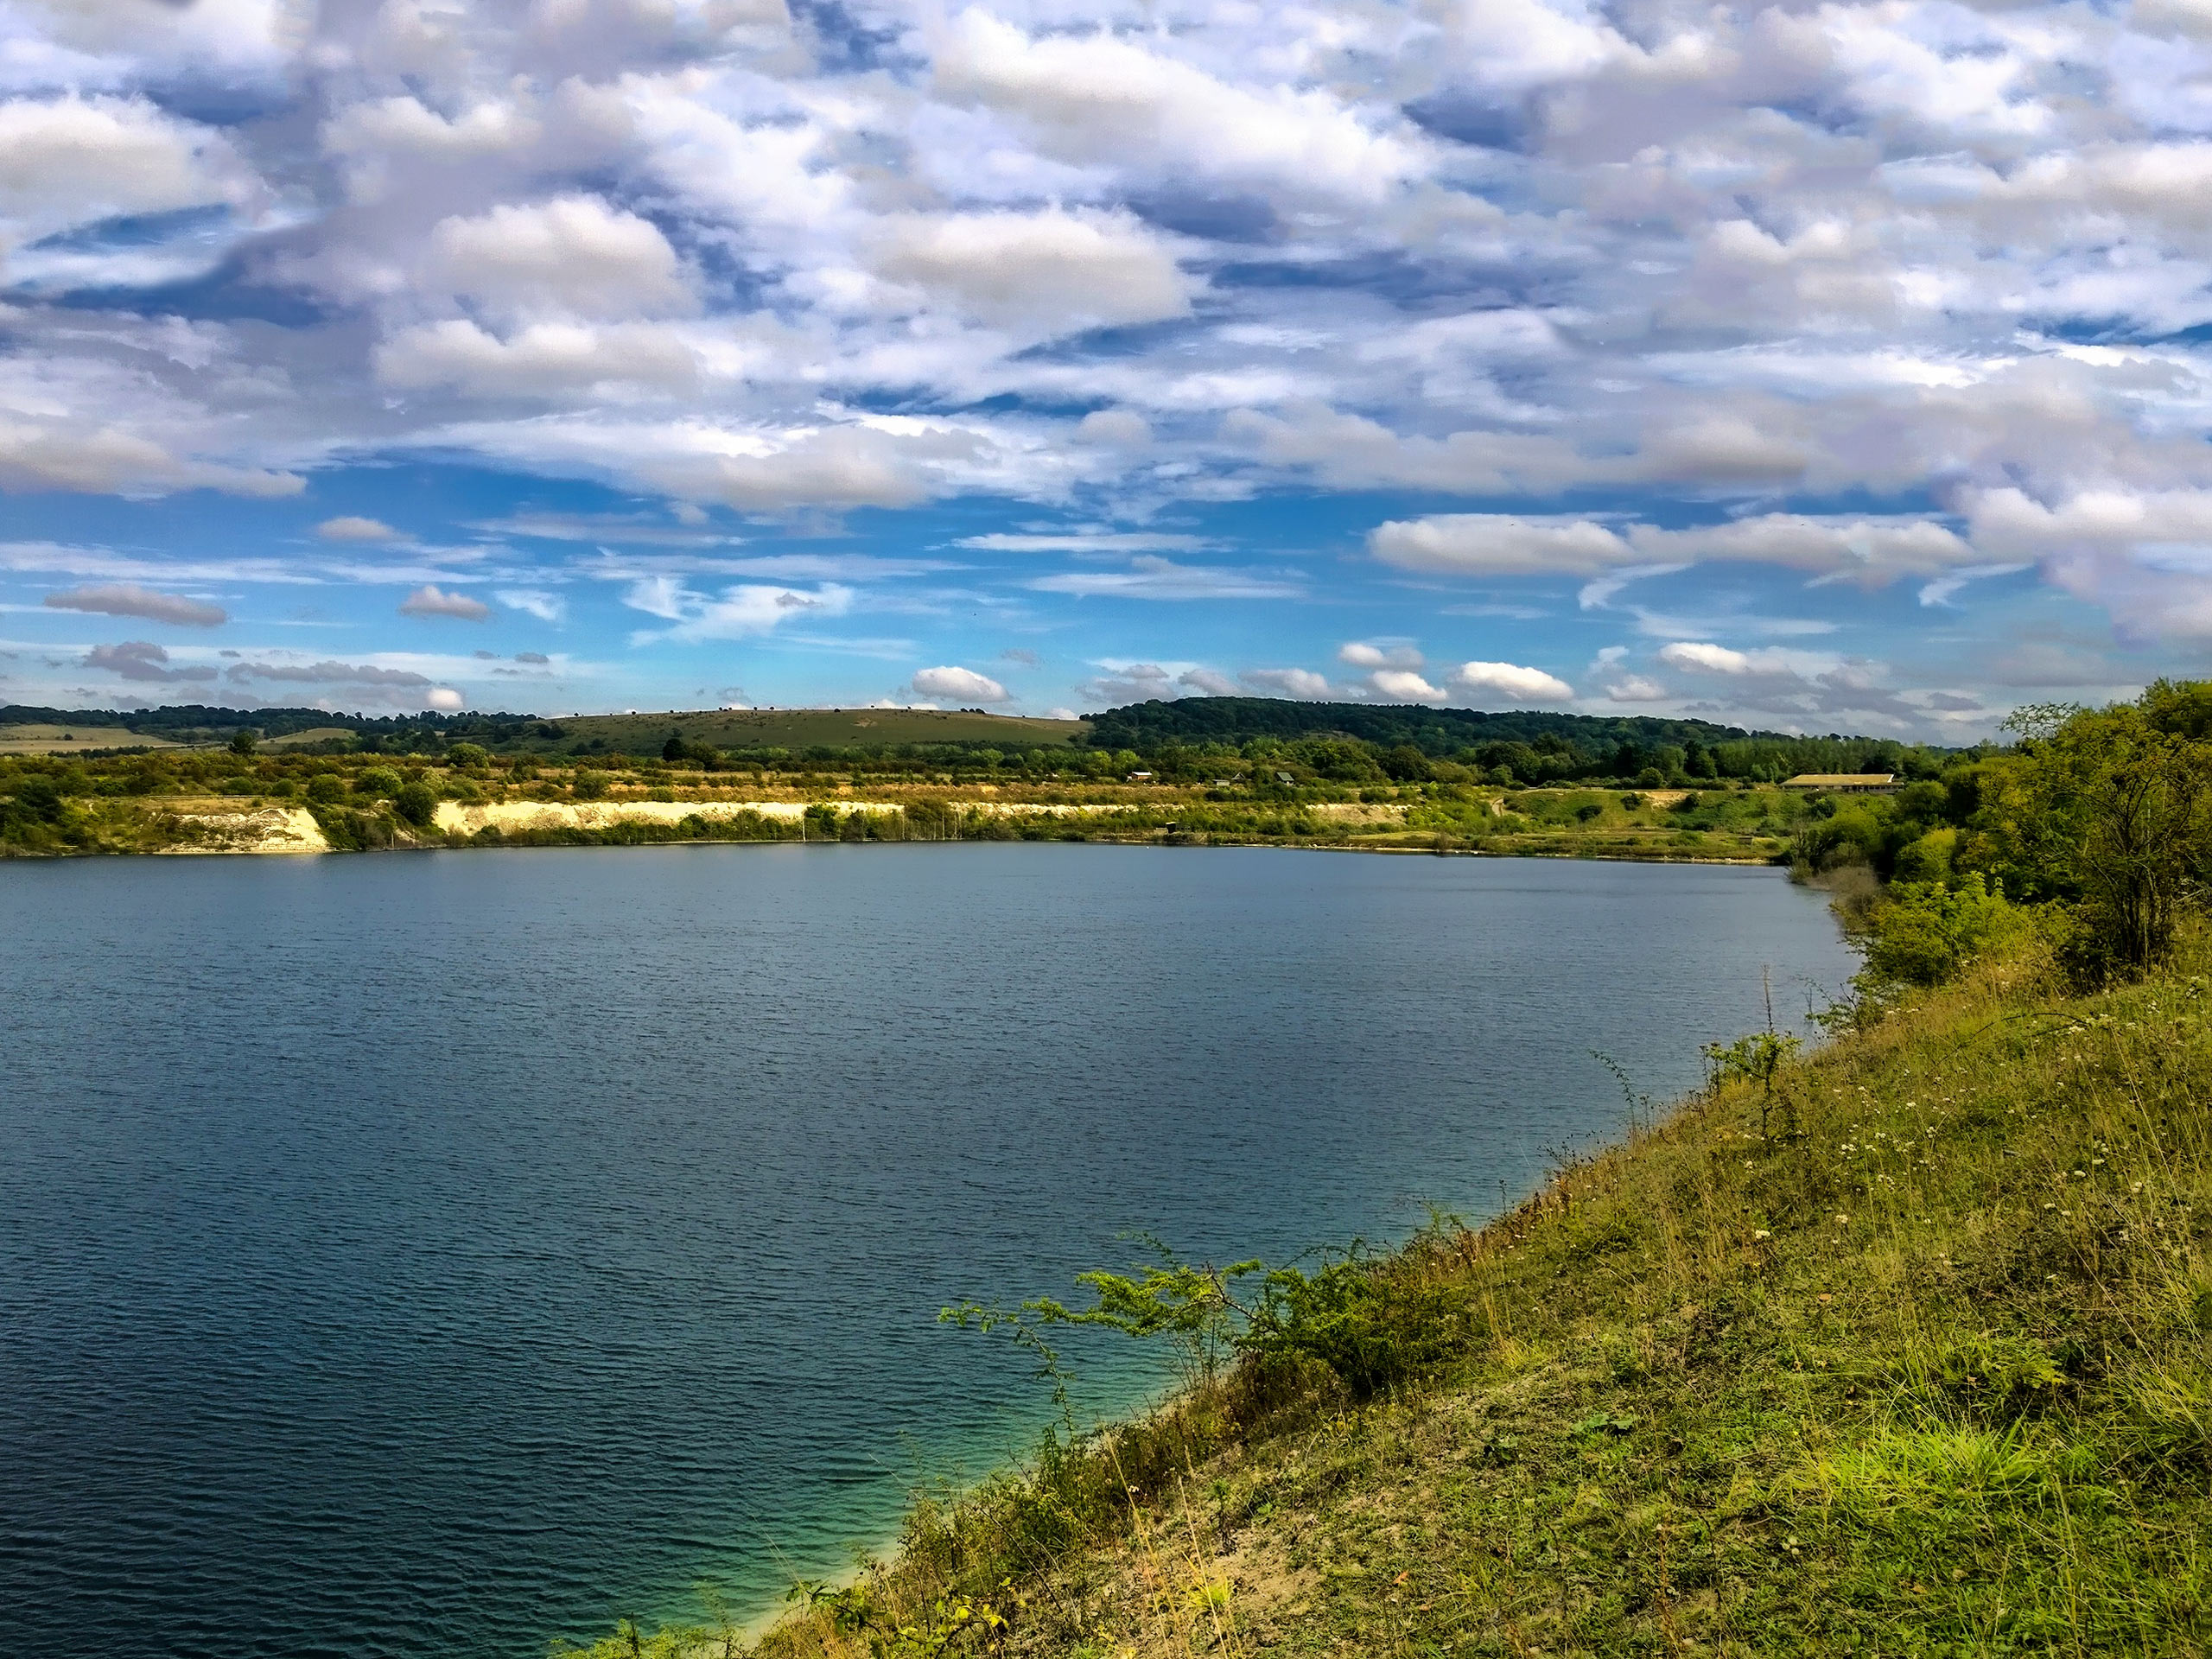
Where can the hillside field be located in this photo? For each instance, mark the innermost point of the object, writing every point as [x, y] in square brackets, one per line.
[727, 728]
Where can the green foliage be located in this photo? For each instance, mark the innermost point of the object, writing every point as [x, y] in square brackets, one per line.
[952, 1623]
[377, 782]
[417, 804]
[245, 743]
[1369, 1323]
[1928, 932]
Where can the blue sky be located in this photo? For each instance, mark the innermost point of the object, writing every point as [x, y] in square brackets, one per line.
[1819, 368]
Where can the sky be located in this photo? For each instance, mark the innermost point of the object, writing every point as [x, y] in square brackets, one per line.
[1812, 366]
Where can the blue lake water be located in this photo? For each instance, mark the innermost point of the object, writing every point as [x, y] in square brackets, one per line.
[432, 1254]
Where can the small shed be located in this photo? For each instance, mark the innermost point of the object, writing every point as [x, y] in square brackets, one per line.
[1847, 783]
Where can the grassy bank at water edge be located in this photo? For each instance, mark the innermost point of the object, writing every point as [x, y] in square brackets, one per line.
[1905, 1349]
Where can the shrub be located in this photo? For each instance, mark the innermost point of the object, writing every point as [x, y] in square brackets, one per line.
[327, 788]
[377, 782]
[1926, 932]
[417, 804]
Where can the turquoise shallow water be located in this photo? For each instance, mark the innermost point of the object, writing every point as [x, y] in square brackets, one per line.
[431, 1255]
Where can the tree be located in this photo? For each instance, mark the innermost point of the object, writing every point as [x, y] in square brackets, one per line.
[417, 804]
[2122, 811]
[245, 743]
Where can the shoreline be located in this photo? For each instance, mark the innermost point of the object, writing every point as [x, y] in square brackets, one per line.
[1670, 1341]
[281, 829]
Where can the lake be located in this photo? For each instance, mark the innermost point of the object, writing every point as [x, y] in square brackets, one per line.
[432, 1254]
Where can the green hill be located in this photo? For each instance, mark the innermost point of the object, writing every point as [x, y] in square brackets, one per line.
[790, 728]
[1436, 731]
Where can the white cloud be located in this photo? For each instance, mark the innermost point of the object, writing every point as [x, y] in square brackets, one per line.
[1117, 428]
[1493, 545]
[961, 684]
[72, 160]
[432, 601]
[543, 360]
[1703, 657]
[1510, 680]
[533, 601]
[1052, 272]
[1869, 550]
[573, 256]
[354, 528]
[742, 611]
[1402, 685]
[1100, 99]
[1300, 682]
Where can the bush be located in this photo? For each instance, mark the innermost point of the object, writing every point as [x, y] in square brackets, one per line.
[327, 788]
[1926, 932]
[377, 782]
[417, 804]
[1370, 1326]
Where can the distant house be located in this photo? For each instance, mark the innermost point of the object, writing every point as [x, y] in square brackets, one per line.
[1140, 777]
[1847, 783]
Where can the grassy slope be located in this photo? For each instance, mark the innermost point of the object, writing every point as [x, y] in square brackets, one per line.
[1928, 1373]
[71, 740]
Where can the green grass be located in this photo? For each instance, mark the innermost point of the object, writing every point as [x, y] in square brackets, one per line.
[1926, 1370]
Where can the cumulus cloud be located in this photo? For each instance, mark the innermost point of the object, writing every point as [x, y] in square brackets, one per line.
[1509, 680]
[1300, 682]
[74, 159]
[574, 256]
[128, 599]
[961, 684]
[1403, 685]
[1055, 270]
[430, 600]
[1101, 99]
